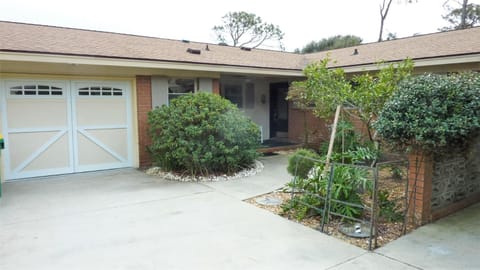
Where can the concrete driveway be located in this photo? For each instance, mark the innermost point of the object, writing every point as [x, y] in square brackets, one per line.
[124, 219]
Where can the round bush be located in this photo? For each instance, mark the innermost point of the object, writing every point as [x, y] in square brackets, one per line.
[202, 134]
[301, 162]
[432, 111]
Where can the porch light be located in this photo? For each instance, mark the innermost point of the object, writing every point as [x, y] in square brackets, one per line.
[263, 99]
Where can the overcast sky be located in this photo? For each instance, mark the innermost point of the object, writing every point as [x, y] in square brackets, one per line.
[300, 20]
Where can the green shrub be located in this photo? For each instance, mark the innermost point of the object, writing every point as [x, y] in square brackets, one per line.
[388, 209]
[349, 147]
[346, 138]
[300, 163]
[432, 111]
[349, 182]
[202, 134]
[302, 206]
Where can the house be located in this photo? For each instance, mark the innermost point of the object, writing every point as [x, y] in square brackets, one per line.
[76, 100]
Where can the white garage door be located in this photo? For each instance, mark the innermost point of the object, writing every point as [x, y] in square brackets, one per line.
[57, 127]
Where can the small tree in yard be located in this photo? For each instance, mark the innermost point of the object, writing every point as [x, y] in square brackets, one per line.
[325, 89]
[202, 134]
[371, 92]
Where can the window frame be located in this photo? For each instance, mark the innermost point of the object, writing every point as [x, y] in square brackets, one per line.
[245, 99]
[172, 96]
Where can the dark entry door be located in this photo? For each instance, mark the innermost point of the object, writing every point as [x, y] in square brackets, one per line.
[278, 110]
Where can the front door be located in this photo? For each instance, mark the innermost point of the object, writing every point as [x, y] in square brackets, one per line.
[278, 110]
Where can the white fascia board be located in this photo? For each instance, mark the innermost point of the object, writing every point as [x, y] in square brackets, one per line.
[133, 63]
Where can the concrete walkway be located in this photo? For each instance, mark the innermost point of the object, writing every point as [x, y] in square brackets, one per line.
[124, 219]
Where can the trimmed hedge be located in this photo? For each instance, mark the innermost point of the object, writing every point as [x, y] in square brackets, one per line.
[202, 134]
[432, 111]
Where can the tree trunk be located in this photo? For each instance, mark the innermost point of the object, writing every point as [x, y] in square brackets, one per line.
[463, 22]
[383, 15]
[305, 128]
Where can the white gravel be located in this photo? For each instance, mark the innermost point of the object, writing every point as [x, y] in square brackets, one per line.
[157, 171]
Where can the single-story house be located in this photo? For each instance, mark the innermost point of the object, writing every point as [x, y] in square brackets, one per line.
[75, 100]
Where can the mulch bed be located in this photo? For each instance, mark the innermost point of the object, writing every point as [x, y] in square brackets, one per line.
[386, 231]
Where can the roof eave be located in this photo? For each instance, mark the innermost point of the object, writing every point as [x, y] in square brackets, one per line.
[419, 62]
[143, 63]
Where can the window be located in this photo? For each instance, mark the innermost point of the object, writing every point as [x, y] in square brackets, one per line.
[233, 92]
[35, 90]
[242, 95]
[100, 91]
[179, 87]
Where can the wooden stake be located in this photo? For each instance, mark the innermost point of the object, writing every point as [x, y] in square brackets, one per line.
[332, 136]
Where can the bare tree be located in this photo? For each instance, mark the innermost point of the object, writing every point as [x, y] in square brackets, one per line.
[384, 8]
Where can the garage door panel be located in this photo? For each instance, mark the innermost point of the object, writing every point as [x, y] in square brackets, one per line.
[56, 156]
[31, 113]
[101, 121]
[113, 139]
[25, 145]
[101, 111]
[91, 153]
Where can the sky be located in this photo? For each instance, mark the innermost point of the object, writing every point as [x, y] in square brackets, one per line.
[301, 20]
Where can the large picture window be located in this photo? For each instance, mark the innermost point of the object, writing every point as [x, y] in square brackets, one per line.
[179, 87]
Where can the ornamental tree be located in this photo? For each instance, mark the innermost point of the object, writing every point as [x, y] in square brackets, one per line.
[326, 88]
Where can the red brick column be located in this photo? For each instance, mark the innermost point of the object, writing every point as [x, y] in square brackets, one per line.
[144, 105]
[216, 86]
[420, 187]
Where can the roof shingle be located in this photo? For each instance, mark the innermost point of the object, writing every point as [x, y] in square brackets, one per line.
[30, 38]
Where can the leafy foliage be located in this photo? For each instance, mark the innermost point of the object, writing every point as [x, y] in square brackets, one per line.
[348, 182]
[202, 134]
[432, 111]
[246, 29]
[346, 139]
[463, 17]
[323, 89]
[334, 42]
[303, 206]
[371, 92]
[311, 179]
[389, 210]
[301, 162]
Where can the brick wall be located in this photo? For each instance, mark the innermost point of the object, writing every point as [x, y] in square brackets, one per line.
[419, 192]
[144, 105]
[317, 128]
[216, 86]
